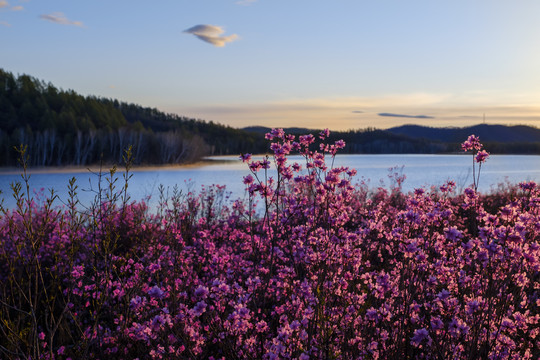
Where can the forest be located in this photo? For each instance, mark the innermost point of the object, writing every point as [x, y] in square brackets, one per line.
[64, 128]
[61, 127]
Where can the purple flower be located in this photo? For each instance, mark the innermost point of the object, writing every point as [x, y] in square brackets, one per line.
[419, 336]
[453, 233]
[371, 314]
[530, 185]
[201, 291]
[265, 163]
[199, 308]
[472, 306]
[437, 324]
[156, 292]
[245, 157]
[443, 294]
[248, 180]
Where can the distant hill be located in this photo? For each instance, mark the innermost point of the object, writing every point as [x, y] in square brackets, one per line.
[290, 130]
[498, 139]
[487, 133]
[416, 139]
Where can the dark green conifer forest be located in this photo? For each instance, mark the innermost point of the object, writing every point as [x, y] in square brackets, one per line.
[65, 128]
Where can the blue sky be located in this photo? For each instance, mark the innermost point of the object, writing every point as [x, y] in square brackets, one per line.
[341, 64]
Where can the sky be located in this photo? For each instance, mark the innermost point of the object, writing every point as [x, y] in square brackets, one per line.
[337, 64]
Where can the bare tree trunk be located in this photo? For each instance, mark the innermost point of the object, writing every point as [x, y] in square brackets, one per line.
[52, 145]
[78, 148]
[88, 147]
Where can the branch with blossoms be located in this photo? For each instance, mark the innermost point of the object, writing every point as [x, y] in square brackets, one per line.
[479, 156]
[317, 173]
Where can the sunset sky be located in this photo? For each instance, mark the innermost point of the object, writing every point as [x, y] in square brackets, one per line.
[341, 64]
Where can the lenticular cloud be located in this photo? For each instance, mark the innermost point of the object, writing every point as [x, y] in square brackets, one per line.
[211, 34]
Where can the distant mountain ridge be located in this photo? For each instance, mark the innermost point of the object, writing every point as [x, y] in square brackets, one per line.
[486, 133]
[417, 139]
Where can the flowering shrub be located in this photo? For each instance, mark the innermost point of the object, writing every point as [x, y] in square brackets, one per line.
[328, 270]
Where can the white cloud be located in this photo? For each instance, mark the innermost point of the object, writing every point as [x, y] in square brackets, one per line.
[5, 23]
[5, 4]
[211, 34]
[60, 18]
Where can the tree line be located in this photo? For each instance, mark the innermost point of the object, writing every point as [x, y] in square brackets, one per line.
[65, 128]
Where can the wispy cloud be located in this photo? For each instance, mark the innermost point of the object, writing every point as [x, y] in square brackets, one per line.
[211, 34]
[406, 116]
[5, 23]
[245, 2]
[357, 112]
[339, 113]
[5, 4]
[60, 18]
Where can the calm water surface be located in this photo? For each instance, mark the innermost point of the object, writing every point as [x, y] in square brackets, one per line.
[420, 171]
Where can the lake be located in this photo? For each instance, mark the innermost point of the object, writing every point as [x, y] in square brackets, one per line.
[420, 171]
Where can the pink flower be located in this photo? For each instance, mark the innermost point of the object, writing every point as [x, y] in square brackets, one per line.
[472, 143]
[255, 166]
[324, 134]
[275, 133]
[340, 144]
[305, 140]
[481, 156]
[77, 272]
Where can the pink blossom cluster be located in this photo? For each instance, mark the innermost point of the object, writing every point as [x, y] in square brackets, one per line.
[330, 270]
[479, 155]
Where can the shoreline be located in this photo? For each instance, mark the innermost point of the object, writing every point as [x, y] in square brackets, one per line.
[104, 168]
[210, 160]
